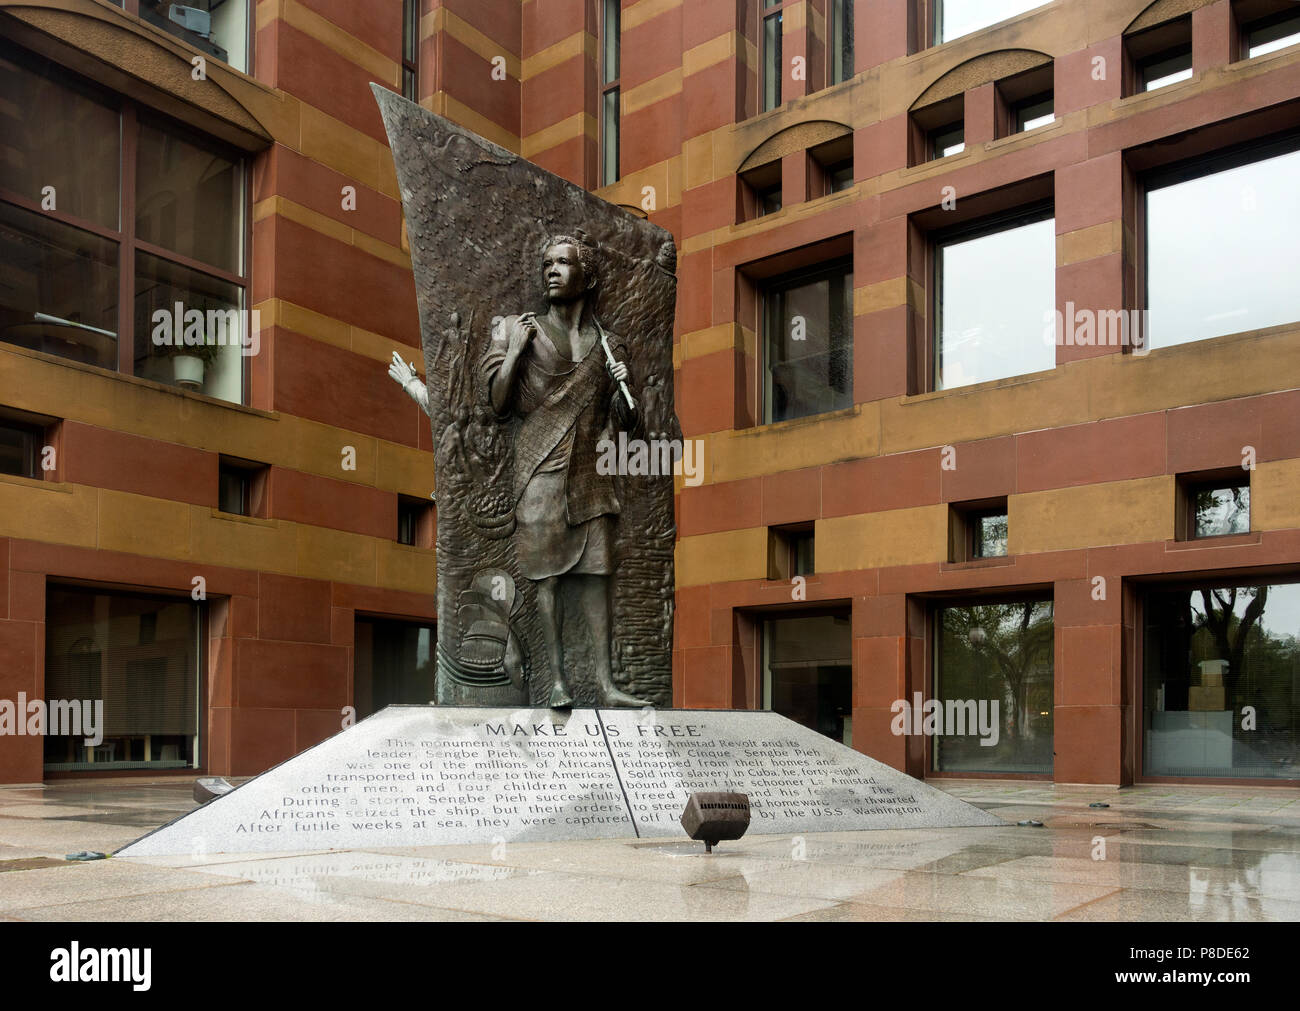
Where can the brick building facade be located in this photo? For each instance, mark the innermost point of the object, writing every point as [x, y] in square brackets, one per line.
[917, 479]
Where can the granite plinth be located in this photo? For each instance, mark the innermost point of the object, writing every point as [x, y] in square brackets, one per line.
[437, 775]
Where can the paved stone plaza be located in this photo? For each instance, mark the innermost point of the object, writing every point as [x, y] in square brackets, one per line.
[1171, 853]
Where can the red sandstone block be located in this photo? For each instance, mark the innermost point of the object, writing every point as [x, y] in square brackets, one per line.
[289, 674]
[552, 22]
[1210, 436]
[217, 759]
[1089, 744]
[879, 670]
[320, 188]
[732, 505]
[791, 497]
[846, 488]
[244, 616]
[221, 666]
[293, 609]
[563, 86]
[881, 366]
[574, 160]
[709, 98]
[421, 607]
[499, 20]
[1084, 673]
[880, 615]
[316, 725]
[1088, 77]
[706, 677]
[1090, 193]
[362, 397]
[722, 627]
[903, 480]
[706, 390]
[651, 48]
[703, 20]
[691, 617]
[343, 625]
[19, 647]
[1119, 449]
[260, 739]
[881, 147]
[377, 25]
[107, 459]
[873, 737]
[650, 135]
[26, 596]
[316, 74]
[984, 469]
[1075, 602]
[694, 292]
[329, 277]
[340, 505]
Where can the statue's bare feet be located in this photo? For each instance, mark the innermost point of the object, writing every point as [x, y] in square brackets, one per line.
[612, 698]
[560, 697]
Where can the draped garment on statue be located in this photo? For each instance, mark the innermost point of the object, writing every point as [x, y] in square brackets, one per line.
[564, 508]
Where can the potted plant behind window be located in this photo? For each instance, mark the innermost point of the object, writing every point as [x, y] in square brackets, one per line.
[191, 361]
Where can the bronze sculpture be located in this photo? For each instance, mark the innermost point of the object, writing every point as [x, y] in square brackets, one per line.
[555, 575]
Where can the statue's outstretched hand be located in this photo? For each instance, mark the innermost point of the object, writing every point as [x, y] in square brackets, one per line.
[400, 372]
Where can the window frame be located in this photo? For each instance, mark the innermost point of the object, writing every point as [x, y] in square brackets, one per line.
[1030, 214]
[933, 668]
[610, 88]
[411, 49]
[1279, 17]
[1187, 170]
[129, 246]
[771, 10]
[837, 40]
[768, 289]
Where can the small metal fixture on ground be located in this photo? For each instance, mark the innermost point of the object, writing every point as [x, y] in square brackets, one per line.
[210, 788]
[711, 817]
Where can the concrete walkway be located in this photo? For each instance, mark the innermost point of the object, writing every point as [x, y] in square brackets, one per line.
[1157, 853]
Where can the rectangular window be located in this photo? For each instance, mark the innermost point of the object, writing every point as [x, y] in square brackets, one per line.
[841, 40]
[955, 18]
[978, 530]
[218, 28]
[808, 342]
[1222, 244]
[411, 49]
[791, 551]
[995, 285]
[772, 16]
[1216, 506]
[1221, 694]
[20, 448]
[80, 226]
[831, 166]
[1033, 113]
[241, 487]
[610, 59]
[1159, 56]
[993, 680]
[947, 140]
[808, 672]
[138, 655]
[760, 191]
[394, 664]
[1271, 34]
[415, 522]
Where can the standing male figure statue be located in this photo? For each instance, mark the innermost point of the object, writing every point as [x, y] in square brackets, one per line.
[552, 371]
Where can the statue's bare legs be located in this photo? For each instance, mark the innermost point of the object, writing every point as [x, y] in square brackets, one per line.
[597, 596]
[550, 608]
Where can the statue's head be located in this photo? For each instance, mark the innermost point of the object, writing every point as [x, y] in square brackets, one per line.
[569, 268]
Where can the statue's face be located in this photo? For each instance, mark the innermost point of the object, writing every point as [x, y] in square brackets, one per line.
[562, 273]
